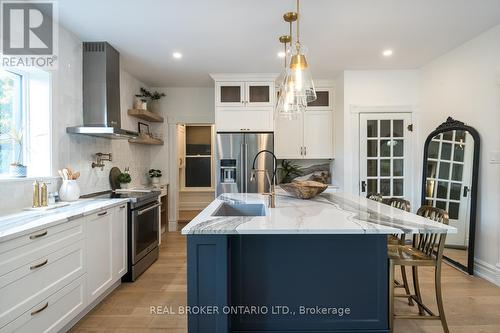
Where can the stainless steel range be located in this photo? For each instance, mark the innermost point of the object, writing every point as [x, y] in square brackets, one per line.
[143, 233]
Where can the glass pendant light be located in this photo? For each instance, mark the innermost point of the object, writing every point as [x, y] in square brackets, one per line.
[301, 75]
[287, 104]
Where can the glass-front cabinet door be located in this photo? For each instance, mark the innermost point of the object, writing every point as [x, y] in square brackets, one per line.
[230, 93]
[259, 93]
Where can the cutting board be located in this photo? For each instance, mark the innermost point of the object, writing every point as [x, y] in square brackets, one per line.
[113, 178]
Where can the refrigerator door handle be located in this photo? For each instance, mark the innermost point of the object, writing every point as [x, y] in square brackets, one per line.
[246, 163]
[242, 168]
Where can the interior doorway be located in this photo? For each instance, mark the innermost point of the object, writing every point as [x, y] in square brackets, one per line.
[195, 177]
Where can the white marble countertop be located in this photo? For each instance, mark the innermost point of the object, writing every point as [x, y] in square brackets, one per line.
[25, 222]
[328, 213]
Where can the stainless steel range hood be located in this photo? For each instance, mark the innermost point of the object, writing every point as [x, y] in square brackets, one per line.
[101, 93]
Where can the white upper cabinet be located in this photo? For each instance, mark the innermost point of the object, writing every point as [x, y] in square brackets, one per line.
[309, 134]
[244, 102]
[318, 134]
[288, 137]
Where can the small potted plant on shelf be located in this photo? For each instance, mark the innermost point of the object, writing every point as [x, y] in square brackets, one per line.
[153, 98]
[155, 176]
[16, 169]
[124, 179]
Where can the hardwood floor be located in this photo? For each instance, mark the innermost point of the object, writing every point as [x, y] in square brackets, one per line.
[471, 304]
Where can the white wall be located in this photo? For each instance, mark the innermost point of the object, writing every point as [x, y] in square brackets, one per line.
[371, 89]
[182, 105]
[465, 84]
[76, 151]
[338, 133]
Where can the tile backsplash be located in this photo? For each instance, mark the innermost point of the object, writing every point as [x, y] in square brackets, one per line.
[77, 151]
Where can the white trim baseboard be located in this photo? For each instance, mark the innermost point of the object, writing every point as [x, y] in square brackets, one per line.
[487, 271]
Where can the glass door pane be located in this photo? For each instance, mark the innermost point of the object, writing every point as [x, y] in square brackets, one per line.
[230, 93]
[259, 93]
[384, 156]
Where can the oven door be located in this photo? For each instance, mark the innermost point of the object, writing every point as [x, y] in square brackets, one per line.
[144, 230]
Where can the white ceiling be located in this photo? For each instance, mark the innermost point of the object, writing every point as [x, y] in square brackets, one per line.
[234, 36]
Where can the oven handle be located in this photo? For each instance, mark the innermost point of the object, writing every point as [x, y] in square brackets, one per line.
[142, 211]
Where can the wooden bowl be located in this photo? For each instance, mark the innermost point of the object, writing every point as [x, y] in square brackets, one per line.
[304, 189]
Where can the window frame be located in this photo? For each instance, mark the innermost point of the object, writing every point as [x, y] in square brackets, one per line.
[211, 188]
[25, 76]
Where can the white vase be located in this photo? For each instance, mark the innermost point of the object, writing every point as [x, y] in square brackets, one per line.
[154, 105]
[137, 103]
[155, 180]
[69, 191]
[124, 185]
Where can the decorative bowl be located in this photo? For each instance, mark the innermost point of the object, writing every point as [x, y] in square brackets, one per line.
[304, 189]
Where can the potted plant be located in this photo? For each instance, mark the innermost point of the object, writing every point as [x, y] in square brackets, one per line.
[153, 98]
[17, 169]
[288, 171]
[155, 176]
[124, 179]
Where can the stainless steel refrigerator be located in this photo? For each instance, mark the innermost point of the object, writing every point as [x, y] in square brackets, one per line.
[235, 154]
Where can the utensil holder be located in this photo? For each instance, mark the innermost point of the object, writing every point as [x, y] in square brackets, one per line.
[69, 191]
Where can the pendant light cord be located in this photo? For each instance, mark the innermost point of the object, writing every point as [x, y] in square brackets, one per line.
[298, 19]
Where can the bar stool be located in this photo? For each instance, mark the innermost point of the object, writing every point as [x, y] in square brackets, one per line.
[427, 250]
[396, 239]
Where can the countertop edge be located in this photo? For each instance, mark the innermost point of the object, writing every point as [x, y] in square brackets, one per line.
[80, 212]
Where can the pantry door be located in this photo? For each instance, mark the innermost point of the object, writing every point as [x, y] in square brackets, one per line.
[384, 154]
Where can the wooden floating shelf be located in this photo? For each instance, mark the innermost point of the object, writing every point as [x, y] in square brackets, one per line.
[146, 141]
[145, 115]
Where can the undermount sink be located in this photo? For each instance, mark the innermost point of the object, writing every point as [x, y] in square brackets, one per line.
[228, 209]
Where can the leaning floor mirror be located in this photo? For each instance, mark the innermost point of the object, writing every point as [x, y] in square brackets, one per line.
[449, 182]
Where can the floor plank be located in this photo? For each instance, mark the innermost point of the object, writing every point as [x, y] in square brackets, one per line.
[471, 304]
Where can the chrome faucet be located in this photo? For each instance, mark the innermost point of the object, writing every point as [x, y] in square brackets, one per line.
[100, 158]
[272, 183]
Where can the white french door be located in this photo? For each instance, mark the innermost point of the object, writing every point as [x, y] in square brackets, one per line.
[384, 154]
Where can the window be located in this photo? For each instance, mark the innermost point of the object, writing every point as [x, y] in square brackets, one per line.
[11, 120]
[198, 156]
[25, 122]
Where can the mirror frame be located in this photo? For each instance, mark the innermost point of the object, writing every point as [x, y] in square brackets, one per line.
[449, 125]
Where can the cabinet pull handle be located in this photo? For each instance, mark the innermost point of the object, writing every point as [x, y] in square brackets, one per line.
[121, 207]
[102, 214]
[41, 309]
[43, 263]
[35, 236]
[305, 150]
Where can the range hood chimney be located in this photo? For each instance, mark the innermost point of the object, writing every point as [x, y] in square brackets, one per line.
[101, 93]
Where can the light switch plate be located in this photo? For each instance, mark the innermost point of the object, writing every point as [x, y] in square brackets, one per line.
[495, 157]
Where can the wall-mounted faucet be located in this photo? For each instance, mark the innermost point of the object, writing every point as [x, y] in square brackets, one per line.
[99, 160]
[272, 183]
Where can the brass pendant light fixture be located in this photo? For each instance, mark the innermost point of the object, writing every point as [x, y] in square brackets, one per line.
[297, 86]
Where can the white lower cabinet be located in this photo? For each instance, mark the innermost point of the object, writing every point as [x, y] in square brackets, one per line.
[99, 253]
[54, 312]
[51, 275]
[308, 135]
[119, 242]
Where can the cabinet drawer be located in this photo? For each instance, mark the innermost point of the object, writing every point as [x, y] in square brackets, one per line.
[24, 249]
[53, 312]
[26, 286]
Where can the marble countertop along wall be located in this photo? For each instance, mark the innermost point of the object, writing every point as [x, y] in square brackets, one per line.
[15, 225]
[328, 213]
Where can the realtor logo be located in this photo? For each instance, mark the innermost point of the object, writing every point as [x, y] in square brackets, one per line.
[28, 34]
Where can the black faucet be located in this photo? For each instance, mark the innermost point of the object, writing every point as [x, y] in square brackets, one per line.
[272, 183]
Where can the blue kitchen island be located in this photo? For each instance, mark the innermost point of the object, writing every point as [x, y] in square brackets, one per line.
[315, 265]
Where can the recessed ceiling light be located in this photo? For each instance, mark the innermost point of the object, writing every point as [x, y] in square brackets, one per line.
[177, 55]
[281, 54]
[387, 53]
